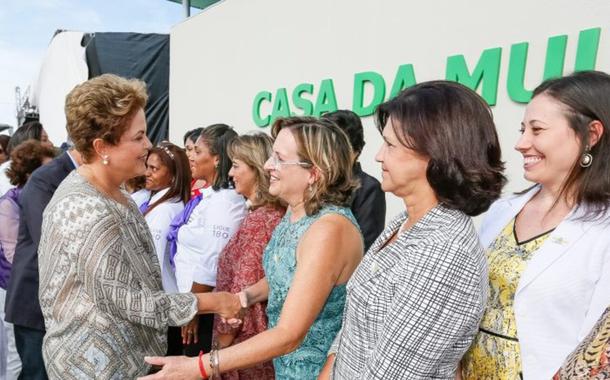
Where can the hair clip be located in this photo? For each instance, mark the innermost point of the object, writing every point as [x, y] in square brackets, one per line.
[166, 149]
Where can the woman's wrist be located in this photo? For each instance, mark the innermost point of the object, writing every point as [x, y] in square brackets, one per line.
[214, 363]
[203, 372]
[244, 299]
[202, 304]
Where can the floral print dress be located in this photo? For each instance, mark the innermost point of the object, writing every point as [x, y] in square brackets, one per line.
[240, 265]
[495, 352]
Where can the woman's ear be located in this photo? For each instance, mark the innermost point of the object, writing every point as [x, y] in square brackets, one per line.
[314, 175]
[100, 147]
[216, 161]
[596, 130]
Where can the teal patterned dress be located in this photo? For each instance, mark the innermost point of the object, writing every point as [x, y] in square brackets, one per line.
[279, 262]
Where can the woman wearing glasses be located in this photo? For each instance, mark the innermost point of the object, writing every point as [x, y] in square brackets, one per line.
[311, 256]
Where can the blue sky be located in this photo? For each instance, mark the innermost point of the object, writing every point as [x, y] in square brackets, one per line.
[26, 27]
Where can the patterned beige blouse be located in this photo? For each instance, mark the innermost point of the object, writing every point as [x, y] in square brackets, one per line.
[100, 287]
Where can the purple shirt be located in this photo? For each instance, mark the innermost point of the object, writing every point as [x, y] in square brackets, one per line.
[9, 220]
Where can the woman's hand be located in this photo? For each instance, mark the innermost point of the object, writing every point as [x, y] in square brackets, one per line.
[174, 368]
[190, 331]
[229, 308]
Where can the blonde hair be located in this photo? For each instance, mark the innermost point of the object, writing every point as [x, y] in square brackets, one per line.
[254, 150]
[102, 108]
[326, 147]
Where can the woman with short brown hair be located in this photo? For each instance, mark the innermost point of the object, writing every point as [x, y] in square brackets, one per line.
[25, 158]
[416, 299]
[100, 283]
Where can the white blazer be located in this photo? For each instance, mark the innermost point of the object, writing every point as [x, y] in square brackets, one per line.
[562, 291]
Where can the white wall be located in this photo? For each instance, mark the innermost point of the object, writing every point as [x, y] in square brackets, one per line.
[221, 58]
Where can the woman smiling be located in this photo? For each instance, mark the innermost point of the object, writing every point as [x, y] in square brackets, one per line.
[549, 247]
[309, 259]
[100, 283]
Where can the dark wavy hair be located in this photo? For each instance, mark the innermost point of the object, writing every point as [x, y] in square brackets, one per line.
[25, 158]
[29, 131]
[217, 138]
[175, 160]
[585, 96]
[452, 126]
[322, 144]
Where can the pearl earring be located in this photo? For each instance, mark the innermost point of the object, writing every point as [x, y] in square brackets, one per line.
[105, 159]
[586, 159]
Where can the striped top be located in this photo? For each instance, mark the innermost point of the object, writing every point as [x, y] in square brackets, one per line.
[414, 305]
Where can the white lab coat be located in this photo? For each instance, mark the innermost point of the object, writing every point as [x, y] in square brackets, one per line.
[209, 228]
[158, 220]
[562, 291]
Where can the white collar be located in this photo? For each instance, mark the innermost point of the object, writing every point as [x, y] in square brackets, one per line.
[72, 159]
[158, 195]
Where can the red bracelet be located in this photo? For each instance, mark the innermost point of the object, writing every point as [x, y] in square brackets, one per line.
[202, 371]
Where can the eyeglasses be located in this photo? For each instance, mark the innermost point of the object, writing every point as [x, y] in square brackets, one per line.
[277, 163]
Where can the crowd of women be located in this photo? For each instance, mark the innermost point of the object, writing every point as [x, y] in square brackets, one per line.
[262, 256]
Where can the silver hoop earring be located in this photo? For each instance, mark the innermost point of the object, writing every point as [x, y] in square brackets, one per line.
[105, 159]
[586, 160]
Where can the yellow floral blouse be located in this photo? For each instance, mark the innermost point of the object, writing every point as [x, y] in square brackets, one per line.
[495, 353]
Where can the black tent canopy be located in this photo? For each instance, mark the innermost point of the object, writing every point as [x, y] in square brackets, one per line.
[136, 55]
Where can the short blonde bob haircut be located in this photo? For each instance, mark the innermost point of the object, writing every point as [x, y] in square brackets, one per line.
[102, 108]
[326, 147]
[254, 150]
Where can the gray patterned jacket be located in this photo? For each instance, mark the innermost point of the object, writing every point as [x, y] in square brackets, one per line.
[100, 287]
[414, 306]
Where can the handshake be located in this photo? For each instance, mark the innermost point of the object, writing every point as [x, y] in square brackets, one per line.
[230, 307]
[235, 317]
